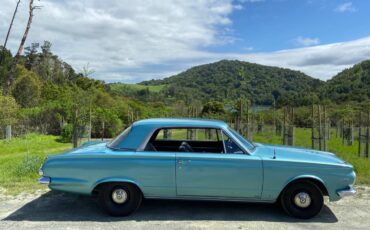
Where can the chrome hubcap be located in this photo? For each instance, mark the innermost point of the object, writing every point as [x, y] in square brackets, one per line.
[119, 196]
[302, 200]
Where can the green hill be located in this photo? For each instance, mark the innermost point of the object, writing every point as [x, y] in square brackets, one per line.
[234, 79]
[352, 84]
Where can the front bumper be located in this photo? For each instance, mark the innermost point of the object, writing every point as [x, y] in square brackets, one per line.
[44, 180]
[350, 191]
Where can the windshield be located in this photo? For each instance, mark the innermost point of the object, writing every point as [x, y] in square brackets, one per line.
[114, 144]
[248, 144]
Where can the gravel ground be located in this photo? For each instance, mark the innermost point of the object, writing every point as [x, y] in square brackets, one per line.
[46, 210]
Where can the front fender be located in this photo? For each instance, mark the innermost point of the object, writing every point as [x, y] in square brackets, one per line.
[301, 177]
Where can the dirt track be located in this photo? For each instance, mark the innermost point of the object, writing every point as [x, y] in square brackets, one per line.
[64, 211]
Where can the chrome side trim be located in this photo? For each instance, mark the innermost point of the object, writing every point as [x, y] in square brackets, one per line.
[44, 180]
[347, 192]
[205, 198]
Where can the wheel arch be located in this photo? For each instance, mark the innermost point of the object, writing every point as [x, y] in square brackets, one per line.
[97, 186]
[313, 179]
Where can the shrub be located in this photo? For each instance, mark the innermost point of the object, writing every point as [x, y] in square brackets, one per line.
[28, 166]
[66, 133]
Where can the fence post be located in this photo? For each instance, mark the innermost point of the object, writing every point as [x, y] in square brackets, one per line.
[324, 129]
[284, 127]
[359, 134]
[320, 127]
[8, 132]
[367, 135]
[313, 129]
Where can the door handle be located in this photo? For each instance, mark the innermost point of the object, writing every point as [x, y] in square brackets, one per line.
[182, 162]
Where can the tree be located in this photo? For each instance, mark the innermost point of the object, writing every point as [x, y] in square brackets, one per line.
[11, 77]
[31, 55]
[213, 107]
[87, 71]
[5, 66]
[8, 113]
[27, 88]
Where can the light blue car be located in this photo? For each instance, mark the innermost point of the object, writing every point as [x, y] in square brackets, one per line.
[197, 159]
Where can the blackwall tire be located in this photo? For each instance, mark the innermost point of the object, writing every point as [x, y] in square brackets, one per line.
[119, 199]
[302, 200]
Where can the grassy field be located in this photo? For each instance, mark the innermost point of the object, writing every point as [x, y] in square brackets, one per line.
[21, 157]
[346, 152]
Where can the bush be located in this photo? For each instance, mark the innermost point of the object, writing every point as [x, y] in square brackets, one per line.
[28, 166]
[66, 134]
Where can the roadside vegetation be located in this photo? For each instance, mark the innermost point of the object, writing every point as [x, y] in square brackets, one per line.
[21, 158]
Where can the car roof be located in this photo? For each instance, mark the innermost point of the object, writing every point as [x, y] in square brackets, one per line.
[180, 122]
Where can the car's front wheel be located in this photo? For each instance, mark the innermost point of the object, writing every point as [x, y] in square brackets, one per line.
[302, 199]
[119, 199]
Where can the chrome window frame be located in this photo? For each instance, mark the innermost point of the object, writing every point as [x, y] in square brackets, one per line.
[223, 141]
[224, 130]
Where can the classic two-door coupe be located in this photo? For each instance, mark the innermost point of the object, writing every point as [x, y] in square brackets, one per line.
[197, 160]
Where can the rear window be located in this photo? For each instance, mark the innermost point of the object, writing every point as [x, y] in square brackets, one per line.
[114, 144]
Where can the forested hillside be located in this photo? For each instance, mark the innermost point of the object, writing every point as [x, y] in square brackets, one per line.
[230, 80]
[352, 84]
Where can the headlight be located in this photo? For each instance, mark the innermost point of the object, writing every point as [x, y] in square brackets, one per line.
[41, 172]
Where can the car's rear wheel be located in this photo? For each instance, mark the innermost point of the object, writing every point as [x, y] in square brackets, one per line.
[302, 200]
[119, 199]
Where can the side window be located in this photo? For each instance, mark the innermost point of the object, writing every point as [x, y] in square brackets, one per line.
[199, 140]
[230, 146]
[188, 134]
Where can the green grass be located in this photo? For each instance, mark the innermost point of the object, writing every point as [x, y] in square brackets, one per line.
[346, 152]
[118, 87]
[21, 158]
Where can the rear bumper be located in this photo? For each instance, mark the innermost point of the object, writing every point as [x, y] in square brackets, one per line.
[350, 191]
[44, 180]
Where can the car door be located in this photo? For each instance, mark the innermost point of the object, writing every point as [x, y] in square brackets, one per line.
[228, 175]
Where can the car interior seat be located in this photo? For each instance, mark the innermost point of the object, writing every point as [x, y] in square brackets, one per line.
[185, 147]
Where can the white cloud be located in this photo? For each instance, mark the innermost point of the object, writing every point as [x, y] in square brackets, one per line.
[303, 41]
[123, 35]
[346, 7]
[132, 41]
[323, 61]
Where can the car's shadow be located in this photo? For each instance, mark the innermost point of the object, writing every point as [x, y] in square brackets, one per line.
[54, 206]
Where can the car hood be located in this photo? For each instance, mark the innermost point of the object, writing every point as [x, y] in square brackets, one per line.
[288, 153]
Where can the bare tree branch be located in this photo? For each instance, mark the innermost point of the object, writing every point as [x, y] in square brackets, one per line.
[10, 28]
[30, 17]
[11, 24]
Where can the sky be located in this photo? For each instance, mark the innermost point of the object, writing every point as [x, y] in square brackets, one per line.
[132, 41]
